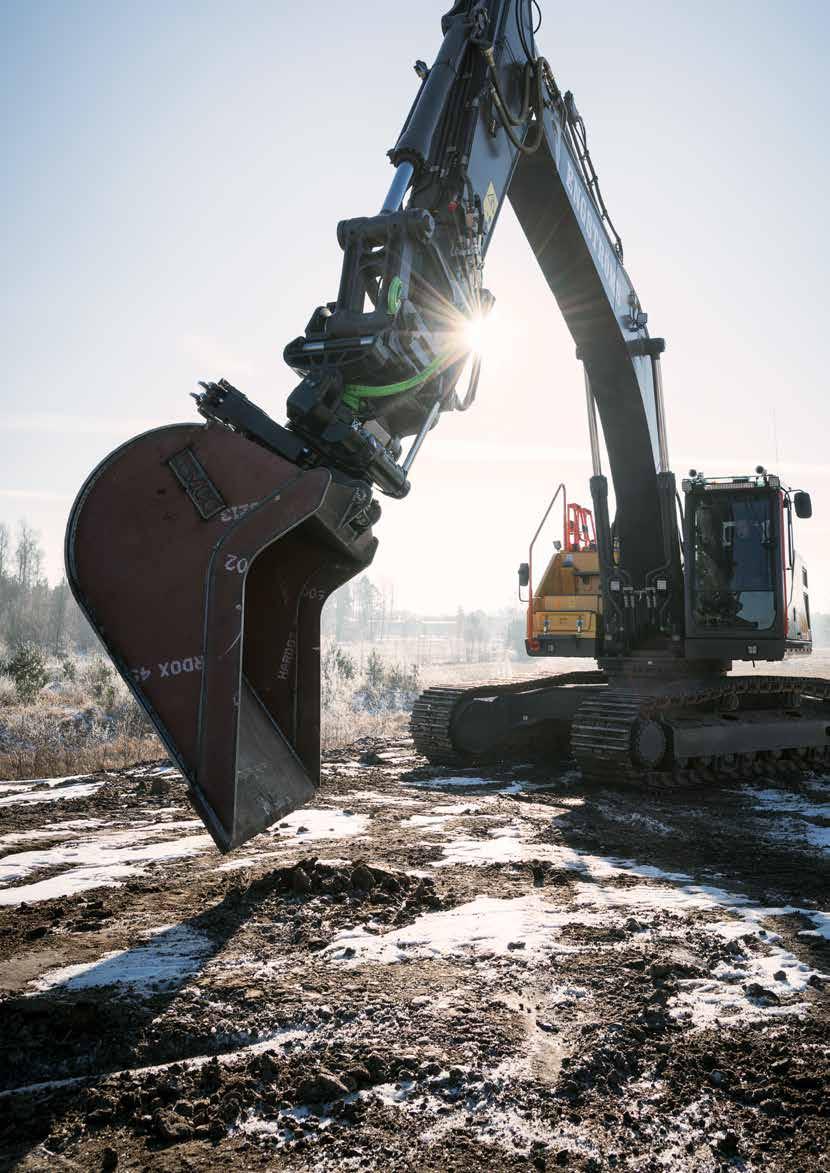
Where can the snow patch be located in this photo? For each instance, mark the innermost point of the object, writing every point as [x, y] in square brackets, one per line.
[98, 850]
[494, 1124]
[376, 798]
[786, 801]
[762, 979]
[818, 837]
[59, 789]
[456, 808]
[635, 819]
[288, 1125]
[524, 927]
[796, 812]
[237, 863]
[103, 860]
[172, 954]
[435, 821]
[511, 844]
[311, 824]
[79, 824]
[51, 831]
[282, 1038]
[472, 782]
[30, 783]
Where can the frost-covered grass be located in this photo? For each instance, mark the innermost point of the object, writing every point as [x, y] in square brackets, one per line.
[84, 719]
[342, 723]
[48, 740]
[363, 694]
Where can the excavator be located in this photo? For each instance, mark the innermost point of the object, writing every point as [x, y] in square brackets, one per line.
[203, 552]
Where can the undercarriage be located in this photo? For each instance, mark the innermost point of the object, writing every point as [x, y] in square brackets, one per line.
[654, 731]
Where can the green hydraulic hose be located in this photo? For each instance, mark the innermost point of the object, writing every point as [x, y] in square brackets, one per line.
[355, 391]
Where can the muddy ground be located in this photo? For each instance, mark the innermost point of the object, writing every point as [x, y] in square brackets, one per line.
[473, 971]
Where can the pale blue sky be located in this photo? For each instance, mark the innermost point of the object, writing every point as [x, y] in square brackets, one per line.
[175, 173]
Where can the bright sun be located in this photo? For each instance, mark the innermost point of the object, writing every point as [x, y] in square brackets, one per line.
[474, 333]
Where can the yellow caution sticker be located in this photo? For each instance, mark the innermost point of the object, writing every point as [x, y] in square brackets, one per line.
[490, 206]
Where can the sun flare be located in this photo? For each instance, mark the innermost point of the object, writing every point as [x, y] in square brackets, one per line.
[474, 332]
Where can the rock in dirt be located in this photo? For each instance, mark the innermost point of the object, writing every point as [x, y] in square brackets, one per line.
[321, 1088]
[754, 990]
[170, 1127]
[300, 880]
[659, 970]
[728, 1144]
[362, 878]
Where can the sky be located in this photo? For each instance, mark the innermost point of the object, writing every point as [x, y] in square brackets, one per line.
[175, 173]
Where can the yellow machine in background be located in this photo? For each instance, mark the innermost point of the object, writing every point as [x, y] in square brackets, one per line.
[563, 610]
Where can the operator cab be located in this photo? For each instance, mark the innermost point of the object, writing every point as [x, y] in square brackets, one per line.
[564, 608]
[746, 587]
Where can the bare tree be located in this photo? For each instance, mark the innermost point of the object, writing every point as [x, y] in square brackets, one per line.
[369, 604]
[475, 630]
[28, 555]
[59, 600]
[343, 605]
[4, 550]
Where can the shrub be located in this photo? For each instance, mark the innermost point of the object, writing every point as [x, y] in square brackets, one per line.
[403, 679]
[130, 720]
[69, 669]
[98, 678]
[40, 742]
[375, 670]
[387, 688]
[27, 668]
[8, 693]
[337, 668]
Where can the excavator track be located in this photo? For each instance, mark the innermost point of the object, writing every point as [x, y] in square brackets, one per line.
[430, 725]
[432, 714]
[605, 733]
[623, 734]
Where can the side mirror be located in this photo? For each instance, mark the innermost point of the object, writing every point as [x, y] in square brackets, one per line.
[524, 575]
[803, 505]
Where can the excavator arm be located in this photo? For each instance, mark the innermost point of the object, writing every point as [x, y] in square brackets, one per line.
[202, 554]
[384, 359]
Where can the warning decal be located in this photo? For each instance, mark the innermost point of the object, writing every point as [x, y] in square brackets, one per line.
[490, 206]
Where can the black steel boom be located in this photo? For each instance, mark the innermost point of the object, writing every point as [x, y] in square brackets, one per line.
[488, 124]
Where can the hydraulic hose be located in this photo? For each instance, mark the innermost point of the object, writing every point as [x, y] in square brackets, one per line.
[533, 74]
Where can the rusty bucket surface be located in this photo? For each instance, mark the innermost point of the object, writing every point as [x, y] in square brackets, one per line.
[203, 561]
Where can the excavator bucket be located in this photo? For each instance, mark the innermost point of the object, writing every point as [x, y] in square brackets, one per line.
[203, 560]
